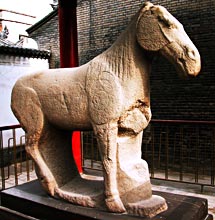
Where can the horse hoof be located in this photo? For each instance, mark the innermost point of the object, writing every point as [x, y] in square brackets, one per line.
[115, 205]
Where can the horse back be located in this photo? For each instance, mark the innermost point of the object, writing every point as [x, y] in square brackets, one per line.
[61, 94]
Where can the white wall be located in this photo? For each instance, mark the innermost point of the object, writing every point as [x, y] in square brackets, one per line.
[12, 68]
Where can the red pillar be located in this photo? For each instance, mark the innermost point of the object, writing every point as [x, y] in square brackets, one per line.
[69, 56]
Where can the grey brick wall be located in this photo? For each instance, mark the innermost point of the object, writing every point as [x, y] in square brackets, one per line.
[100, 22]
[47, 37]
[192, 99]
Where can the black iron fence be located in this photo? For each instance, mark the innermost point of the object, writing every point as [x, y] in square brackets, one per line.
[176, 150]
[15, 165]
[181, 151]
[90, 152]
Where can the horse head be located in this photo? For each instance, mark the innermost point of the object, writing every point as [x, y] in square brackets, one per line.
[158, 30]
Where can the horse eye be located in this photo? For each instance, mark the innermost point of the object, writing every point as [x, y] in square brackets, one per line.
[169, 24]
[165, 23]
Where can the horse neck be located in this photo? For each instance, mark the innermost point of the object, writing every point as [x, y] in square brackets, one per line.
[125, 57]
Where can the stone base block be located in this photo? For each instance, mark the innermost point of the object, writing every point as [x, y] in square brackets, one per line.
[149, 207]
[31, 201]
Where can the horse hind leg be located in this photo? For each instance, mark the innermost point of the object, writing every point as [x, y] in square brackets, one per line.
[49, 147]
[43, 172]
[27, 109]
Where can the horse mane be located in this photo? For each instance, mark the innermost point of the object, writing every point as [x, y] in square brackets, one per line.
[119, 58]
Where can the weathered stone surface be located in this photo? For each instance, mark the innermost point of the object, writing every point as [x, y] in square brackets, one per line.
[111, 95]
[148, 207]
[132, 172]
[32, 195]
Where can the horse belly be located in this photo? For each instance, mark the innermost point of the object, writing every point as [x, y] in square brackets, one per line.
[66, 108]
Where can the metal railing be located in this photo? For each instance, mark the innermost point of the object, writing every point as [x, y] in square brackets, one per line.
[90, 152]
[182, 151]
[15, 166]
[176, 150]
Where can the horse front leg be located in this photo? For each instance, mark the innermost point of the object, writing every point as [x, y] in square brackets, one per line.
[107, 140]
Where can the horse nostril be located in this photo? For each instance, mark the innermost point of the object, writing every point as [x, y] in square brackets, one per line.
[191, 54]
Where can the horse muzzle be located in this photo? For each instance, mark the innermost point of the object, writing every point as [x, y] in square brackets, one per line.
[190, 63]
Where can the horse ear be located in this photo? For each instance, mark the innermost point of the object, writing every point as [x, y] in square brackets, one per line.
[149, 33]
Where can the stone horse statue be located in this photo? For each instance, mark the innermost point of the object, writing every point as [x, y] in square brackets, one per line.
[110, 94]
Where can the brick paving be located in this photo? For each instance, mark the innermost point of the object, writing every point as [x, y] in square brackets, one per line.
[22, 178]
[23, 175]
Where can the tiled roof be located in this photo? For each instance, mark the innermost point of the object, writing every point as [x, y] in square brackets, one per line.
[25, 52]
[17, 49]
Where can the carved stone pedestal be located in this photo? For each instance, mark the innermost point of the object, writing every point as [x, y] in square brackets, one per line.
[30, 200]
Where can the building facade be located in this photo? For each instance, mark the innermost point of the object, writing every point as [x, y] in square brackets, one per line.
[15, 62]
[46, 34]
